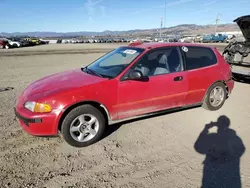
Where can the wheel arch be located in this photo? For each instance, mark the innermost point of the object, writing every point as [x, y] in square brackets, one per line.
[96, 104]
[218, 81]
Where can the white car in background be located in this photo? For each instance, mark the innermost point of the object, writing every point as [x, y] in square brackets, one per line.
[14, 44]
[187, 39]
[10, 43]
[198, 39]
[91, 40]
[134, 40]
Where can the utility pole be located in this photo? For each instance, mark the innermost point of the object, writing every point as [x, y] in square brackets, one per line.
[161, 26]
[165, 13]
[216, 23]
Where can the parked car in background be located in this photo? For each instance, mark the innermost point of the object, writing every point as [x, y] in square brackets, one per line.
[74, 41]
[127, 40]
[214, 38]
[43, 41]
[13, 44]
[145, 40]
[116, 40]
[30, 41]
[102, 41]
[237, 51]
[7, 43]
[172, 40]
[123, 40]
[188, 39]
[134, 40]
[35, 41]
[4, 43]
[81, 103]
[24, 43]
[168, 40]
[85, 41]
[198, 39]
[16, 42]
[59, 41]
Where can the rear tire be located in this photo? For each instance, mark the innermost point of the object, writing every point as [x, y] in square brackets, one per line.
[78, 122]
[215, 97]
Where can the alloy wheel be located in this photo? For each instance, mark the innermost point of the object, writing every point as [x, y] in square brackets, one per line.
[84, 127]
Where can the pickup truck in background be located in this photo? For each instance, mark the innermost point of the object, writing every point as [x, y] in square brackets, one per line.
[214, 38]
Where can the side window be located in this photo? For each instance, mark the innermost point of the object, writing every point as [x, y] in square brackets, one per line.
[160, 61]
[198, 57]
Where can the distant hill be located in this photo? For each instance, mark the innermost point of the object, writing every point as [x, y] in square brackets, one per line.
[184, 29]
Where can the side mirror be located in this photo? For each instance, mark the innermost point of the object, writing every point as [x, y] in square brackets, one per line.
[136, 75]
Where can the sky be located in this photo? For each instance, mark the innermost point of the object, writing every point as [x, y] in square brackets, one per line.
[100, 15]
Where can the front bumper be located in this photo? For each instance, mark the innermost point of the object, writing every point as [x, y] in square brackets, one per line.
[27, 121]
[38, 124]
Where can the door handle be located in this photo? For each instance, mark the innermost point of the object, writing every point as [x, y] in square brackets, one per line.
[178, 78]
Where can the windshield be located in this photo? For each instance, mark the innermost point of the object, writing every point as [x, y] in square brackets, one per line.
[114, 62]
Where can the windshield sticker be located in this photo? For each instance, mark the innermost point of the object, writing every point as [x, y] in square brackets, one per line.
[185, 49]
[130, 51]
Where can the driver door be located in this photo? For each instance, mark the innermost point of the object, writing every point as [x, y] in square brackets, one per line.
[165, 88]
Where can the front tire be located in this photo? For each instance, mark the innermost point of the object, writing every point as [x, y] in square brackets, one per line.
[215, 97]
[83, 126]
[15, 46]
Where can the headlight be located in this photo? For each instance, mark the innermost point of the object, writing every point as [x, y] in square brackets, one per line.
[37, 107]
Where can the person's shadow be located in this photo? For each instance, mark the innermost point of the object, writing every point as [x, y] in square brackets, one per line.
[223, 151]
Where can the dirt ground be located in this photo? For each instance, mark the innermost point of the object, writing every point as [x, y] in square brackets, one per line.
[71, 49]
[160, 151]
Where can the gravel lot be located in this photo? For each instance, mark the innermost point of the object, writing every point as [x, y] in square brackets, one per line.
[159, 151]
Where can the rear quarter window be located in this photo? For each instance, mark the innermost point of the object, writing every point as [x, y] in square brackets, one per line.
[199, 57]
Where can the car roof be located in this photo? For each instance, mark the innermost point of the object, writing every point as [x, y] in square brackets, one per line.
[152, 45]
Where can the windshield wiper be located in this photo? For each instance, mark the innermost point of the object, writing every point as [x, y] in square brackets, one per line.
[93, 72]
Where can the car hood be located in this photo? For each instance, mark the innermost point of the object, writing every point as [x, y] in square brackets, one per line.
[244, 24]
[61, 81]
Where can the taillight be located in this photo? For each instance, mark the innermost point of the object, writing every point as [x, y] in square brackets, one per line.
[230, 73]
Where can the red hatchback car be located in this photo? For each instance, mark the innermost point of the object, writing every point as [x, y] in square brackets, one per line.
[127, 82]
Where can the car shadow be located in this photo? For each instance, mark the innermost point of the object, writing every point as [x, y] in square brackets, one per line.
[222, 150]
[114, 127]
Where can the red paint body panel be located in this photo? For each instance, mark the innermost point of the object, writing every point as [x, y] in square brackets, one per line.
[62, 90]
[122, 99]
[230, 85]
[199, 81]
[160, 92]
[3, 43]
